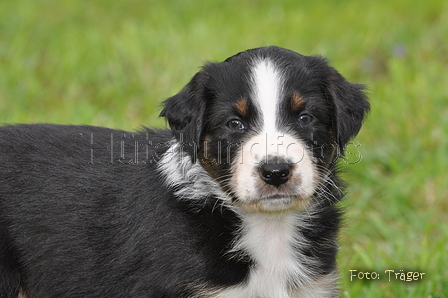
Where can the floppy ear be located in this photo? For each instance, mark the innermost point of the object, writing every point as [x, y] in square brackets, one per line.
[185, 113]
[350, 107]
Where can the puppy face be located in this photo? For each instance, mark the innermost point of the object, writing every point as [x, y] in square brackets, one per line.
[267, 124]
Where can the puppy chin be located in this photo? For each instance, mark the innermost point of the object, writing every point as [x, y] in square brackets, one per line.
[275, 204]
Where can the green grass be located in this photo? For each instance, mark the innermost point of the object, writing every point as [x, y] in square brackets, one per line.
[111, 63]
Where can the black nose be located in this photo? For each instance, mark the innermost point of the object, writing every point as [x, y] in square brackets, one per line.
[275, 173]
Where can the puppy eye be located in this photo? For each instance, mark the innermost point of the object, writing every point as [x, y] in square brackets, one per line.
[236, 125]
[305, 119]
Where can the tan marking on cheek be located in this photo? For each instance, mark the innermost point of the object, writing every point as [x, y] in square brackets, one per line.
[207, 160]
[242, 106]
[209, 167]
[296, 101]
[333, 154]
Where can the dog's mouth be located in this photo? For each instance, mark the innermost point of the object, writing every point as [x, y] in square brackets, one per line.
[276, 203]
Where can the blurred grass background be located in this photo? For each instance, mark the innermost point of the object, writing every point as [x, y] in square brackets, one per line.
[111, 63]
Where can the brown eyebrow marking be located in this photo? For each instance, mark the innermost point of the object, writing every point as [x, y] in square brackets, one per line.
[296, 101]
[242, 106]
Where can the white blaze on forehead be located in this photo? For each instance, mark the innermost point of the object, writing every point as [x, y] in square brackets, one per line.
[266, 89]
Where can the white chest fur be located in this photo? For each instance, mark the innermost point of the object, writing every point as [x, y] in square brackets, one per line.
[271, 240]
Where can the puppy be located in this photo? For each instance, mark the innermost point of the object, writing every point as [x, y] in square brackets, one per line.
[237, 200]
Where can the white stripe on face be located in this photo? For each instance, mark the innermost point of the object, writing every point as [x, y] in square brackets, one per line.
[267, 89]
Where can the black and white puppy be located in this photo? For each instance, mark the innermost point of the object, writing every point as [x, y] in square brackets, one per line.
[237, 200]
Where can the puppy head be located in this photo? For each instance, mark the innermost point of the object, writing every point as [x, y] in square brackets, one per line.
[265, 123]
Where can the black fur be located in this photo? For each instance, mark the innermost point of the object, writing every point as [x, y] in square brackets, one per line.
[84, 211]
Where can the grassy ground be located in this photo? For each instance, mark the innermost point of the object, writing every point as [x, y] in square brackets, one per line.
[110, 63]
